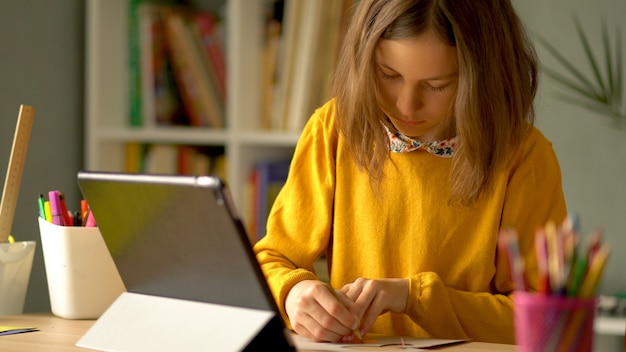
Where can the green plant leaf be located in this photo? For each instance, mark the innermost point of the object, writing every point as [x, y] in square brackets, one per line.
[619, 73]
[606, 43]
[593, 106]
[591, 58]
[568, 65]
[603, 92]
[576, 87]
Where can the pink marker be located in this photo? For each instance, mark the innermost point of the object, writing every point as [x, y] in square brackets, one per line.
[55, 207]
[91, 220]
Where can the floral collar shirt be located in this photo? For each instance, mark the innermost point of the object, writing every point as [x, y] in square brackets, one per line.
[399, 143]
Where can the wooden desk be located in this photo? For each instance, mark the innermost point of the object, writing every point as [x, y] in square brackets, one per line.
[60, 335]
[54, 335]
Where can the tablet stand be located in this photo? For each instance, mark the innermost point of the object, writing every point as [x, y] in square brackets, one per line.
[138, 322]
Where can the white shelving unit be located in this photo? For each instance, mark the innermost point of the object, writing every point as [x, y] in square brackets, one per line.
[107, 130]
[604, 325]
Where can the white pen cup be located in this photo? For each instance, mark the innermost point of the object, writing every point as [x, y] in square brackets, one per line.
[16, 261]
[82, 278]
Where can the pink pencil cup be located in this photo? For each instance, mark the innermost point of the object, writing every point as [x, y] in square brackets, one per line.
[553, 323]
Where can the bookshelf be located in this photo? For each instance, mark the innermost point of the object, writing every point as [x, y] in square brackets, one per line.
[107, 129]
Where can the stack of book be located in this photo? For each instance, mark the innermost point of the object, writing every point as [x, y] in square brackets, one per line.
[175, 159]
[303, 38]
[178, 73]
[265, 182]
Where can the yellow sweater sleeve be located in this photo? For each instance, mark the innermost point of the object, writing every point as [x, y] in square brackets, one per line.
[298, 228]
[459, 283]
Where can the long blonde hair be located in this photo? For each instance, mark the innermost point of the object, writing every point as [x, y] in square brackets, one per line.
[493, 109]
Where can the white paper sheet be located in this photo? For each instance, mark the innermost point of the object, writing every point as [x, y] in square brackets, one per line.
[387, 343]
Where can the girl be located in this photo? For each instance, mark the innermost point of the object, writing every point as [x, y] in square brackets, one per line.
[406, 176]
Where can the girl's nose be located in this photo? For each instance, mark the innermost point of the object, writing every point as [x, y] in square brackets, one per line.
[409, 101]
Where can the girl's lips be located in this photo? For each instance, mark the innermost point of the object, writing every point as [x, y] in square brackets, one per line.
[410, 122]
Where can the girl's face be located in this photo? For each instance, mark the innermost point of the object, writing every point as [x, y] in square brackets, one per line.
[417, 81]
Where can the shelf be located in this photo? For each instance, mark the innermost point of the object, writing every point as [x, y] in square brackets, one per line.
[303, 68]
[264, 138]
[174, 135]
[198, 136]
[107, 131]
[604, 325]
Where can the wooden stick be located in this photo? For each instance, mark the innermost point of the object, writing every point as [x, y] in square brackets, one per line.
[13, 177]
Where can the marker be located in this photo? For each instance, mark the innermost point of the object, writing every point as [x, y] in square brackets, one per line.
[78, 219]
[47, 211]
[55, 207]
[66, 215]
[91, 220]
[42, 209]
[84, 210]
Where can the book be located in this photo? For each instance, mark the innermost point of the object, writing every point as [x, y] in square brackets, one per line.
[324, 62]
[217, 94]
[209, 30]
[219, 165]
[148, 53]
[312, 32]
[160, 101]
[190, 73]
[187, 85]
[192, 161]
[201, 164]
[185, 159]
[134, 65]
[269, 178]
[134, 157]
[272, 39]
[161, 159]
[249, 210]
[308, 41]
[288, 47]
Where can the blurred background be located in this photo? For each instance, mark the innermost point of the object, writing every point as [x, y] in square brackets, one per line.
[42, 64]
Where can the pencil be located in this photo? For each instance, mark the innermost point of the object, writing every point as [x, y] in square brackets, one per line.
[555, 257]
[507, 241]
[596, 265]
[587, 291]
[356, 331]
[543, 286]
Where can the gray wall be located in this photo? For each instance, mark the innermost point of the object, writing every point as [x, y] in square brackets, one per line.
[591, 151]
[41, 64]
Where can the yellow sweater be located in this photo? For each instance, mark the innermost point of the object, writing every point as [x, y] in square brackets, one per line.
[459, 283]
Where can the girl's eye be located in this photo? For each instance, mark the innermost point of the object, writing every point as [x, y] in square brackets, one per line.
[386, 76]
[437, 88]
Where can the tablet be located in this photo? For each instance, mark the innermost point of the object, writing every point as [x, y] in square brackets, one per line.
[176, 236]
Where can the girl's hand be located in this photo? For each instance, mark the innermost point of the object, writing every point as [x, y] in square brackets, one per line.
[314, 312]
[376, 297]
